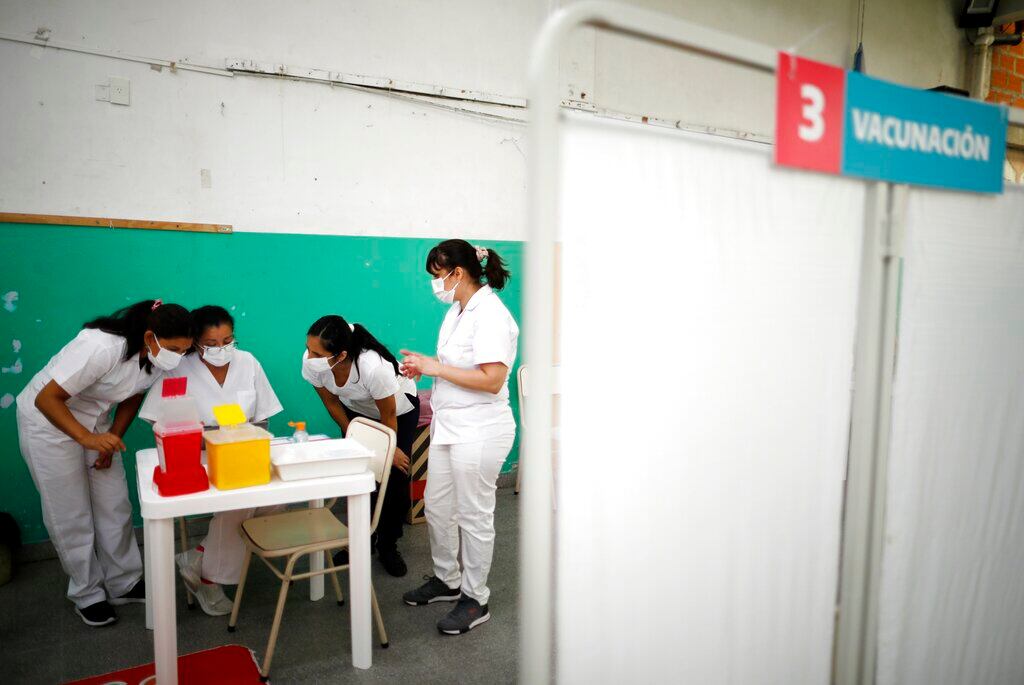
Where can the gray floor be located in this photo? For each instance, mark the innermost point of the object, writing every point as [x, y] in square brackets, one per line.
[43, 641]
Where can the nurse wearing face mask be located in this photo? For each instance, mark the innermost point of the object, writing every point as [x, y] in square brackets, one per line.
[355, 375]
[73, 447]
[472, 428]
[218, 373]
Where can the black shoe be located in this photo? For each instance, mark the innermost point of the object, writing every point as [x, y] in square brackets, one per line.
[466, 615]
[434, 590]
[392, 561]
[98, 614]
[137, 595]
[340, 557]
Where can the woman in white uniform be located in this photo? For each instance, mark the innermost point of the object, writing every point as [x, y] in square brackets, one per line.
[472, 430]
[73, 447]
[355, 375]
[218, 373]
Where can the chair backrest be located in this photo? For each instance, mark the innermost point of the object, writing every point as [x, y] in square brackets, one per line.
[381, 440]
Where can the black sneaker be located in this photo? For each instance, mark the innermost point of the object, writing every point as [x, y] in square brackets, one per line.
[137, 595]
[340, 557]
[434, 590]
[466, 615]
[392, 561]
[98, 614]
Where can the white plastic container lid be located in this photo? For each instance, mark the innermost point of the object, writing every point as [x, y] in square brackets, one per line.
[240, 433]
[175, 410]
[321, 450]
[176, 428]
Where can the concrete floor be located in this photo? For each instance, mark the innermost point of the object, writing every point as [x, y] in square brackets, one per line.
[42, 640]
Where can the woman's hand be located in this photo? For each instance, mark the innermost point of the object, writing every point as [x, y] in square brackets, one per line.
[415, 365]
[103, 461]
[104, 443]
[401, 461]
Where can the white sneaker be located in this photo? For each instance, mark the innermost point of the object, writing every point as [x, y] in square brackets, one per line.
[211, 596]
[213, 600]
[190, 567]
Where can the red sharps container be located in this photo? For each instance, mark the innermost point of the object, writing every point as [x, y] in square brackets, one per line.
[179, 442]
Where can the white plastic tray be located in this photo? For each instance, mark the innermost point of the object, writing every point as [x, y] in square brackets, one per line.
[320, 458]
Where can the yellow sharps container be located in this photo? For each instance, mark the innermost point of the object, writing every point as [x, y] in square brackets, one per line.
[237, 453]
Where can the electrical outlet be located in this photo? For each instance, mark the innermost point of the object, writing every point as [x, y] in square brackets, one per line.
[120, 91]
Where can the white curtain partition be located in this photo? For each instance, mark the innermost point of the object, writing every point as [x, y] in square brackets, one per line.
[708, 315]
[952, 595]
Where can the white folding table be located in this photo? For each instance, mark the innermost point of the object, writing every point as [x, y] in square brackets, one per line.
[158, 514]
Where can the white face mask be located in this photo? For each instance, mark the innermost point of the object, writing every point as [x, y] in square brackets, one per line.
[165, 360]
[219, 356]
[314, 366]
[446, 296]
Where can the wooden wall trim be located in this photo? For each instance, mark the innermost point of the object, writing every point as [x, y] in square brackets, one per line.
[104, 222]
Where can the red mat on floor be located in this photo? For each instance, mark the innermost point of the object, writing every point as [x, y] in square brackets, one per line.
[230, 665]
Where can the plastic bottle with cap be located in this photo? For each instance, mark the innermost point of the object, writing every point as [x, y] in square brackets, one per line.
[300, 434]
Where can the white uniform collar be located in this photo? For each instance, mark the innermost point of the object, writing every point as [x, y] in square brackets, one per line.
[478, 297]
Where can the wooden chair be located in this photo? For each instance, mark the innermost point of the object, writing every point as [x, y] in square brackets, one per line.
[294, 534]
[524, 391]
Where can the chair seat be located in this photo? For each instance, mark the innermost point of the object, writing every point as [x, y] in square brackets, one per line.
[294, 529]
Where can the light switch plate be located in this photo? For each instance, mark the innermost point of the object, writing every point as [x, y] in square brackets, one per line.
[120, 91]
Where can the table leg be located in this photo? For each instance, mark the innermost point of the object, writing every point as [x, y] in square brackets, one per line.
[359, 578]
[161, 571]
[147, 569]
[316, 563]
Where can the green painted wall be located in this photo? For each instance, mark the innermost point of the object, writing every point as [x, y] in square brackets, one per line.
[275, 284]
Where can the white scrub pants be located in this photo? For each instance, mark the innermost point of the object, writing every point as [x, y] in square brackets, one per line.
[86, 512]
[223, 549]
[459, 498]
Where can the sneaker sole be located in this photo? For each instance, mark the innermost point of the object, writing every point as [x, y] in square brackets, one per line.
[461, 631]
[121, 601]
[95, 624]
[439, 598]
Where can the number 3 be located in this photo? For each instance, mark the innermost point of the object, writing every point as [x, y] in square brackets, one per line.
[814, 105]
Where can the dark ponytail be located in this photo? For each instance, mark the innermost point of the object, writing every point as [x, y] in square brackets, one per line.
[132, 322]
[449, 254]
[337, 336]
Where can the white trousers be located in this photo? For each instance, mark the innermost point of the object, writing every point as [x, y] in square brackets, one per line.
[461, 484]
[223, 549]
[86, 512]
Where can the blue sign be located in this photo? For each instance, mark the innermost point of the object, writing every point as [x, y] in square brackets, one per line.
[904, 135]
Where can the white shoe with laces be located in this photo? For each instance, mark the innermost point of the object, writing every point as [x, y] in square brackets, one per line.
[210, 596]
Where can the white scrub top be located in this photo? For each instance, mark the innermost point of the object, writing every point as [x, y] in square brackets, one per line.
[92, 369]
[245, 385]
[484, 333]
[372, 378]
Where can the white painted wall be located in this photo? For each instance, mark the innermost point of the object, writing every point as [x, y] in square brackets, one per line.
[289, 156]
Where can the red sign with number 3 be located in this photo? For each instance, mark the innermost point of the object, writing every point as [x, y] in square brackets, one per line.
[809, 113]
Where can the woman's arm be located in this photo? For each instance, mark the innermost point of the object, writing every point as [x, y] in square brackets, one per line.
[488, 377]
[389, 417]
[52, 402]
[334, 408]
[123, 417]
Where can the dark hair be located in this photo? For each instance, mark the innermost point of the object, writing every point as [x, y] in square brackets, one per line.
[449, 254]
[210, 316]
[132, 322]
[337, 336]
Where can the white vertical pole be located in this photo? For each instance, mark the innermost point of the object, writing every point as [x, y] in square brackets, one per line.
[864, 509]
[359, 578]
[316, 563]
[147, 570]
[165, 631]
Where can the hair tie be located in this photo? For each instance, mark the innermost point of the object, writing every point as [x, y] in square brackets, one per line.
[156, 303]
[481, 253]
[352, 327]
